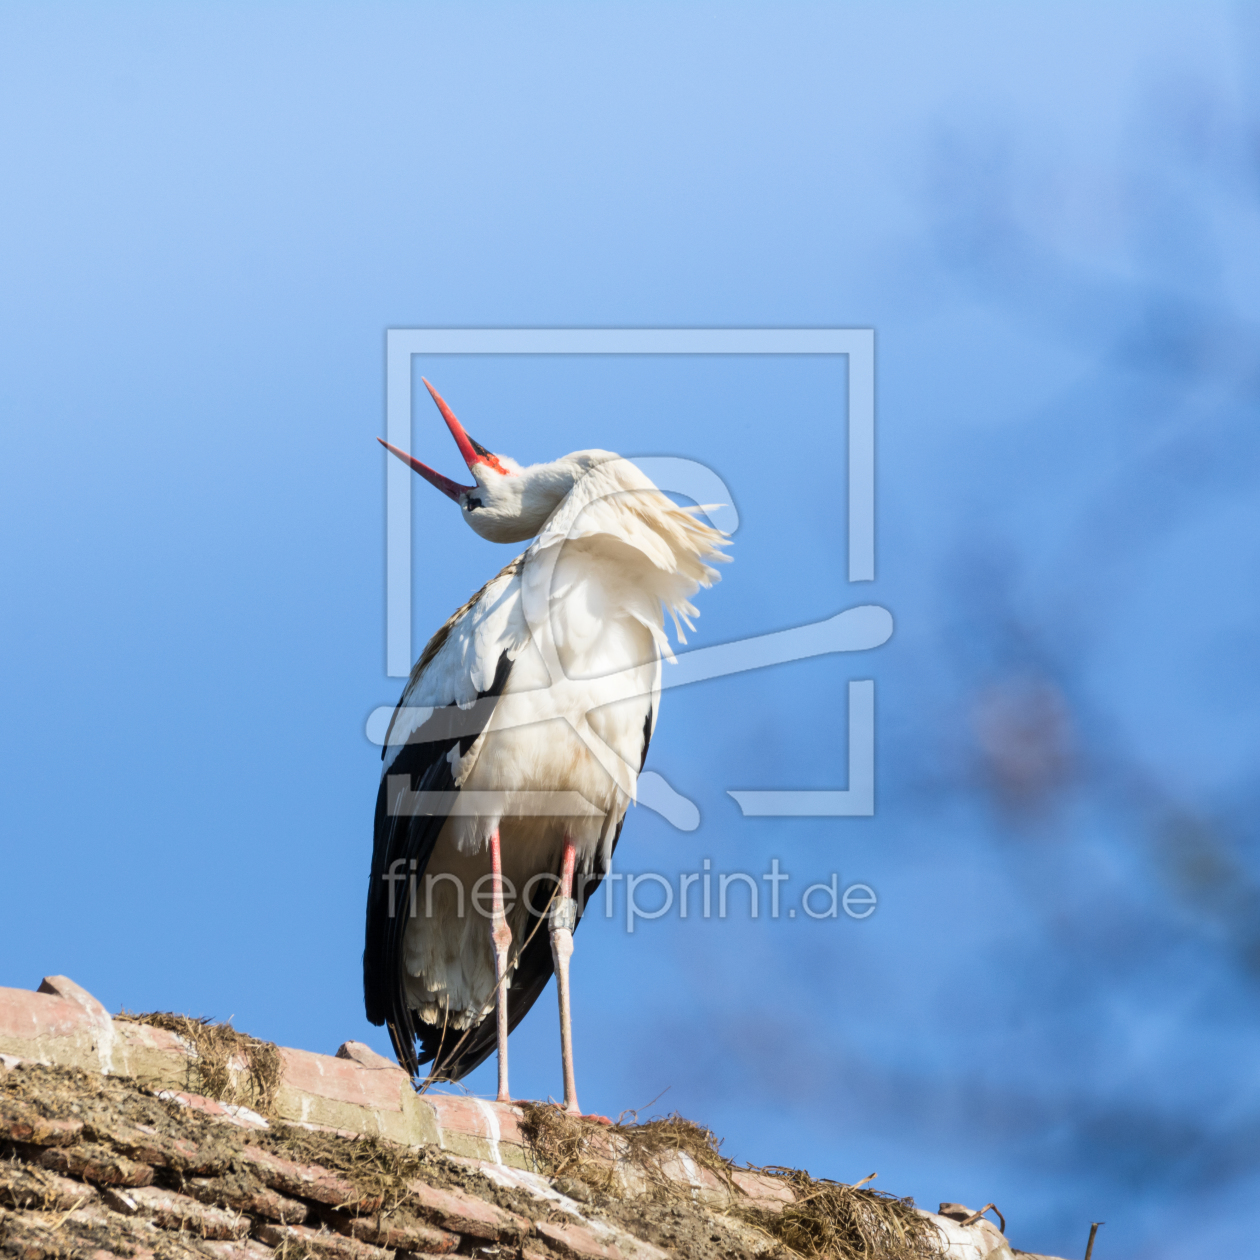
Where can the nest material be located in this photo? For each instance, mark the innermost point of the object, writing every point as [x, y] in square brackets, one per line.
[827, 1221]
[831, 1219]
[376, 1168]
[230, 1066]
[588, 1151]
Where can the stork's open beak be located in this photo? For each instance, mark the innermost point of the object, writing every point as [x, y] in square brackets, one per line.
[473, 452]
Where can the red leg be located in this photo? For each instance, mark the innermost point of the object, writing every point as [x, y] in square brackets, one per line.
[501, 936]
[563, 920]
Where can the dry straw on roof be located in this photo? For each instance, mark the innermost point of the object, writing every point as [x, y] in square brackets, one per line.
[377, 1169]
[828, 1219]
[571, 1146]
[230, 1066]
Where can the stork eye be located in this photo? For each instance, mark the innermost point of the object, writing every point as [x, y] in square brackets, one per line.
[472, 504]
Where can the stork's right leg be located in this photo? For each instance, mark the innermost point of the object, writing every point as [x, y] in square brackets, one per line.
[501, 936]
[563, 921]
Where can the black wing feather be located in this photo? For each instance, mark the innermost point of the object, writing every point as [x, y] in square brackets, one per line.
[407, 838]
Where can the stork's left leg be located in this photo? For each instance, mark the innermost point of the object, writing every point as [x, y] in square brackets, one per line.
[563, 921]
[501, 937]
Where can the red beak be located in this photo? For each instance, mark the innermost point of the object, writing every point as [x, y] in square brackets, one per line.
[462, 440]
[452, 489]
[473, 452]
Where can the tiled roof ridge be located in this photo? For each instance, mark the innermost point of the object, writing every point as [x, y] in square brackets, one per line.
[120, 1186]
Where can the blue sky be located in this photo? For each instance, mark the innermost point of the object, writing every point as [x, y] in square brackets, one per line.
[1049, 216]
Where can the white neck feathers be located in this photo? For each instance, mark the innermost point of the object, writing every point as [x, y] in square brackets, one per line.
[614, 505]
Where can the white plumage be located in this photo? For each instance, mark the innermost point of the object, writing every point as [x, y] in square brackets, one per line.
[522, 729]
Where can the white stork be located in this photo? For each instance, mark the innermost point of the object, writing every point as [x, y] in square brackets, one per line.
[516, 748]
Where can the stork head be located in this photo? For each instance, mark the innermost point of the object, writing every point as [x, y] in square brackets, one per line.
[508, 503]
